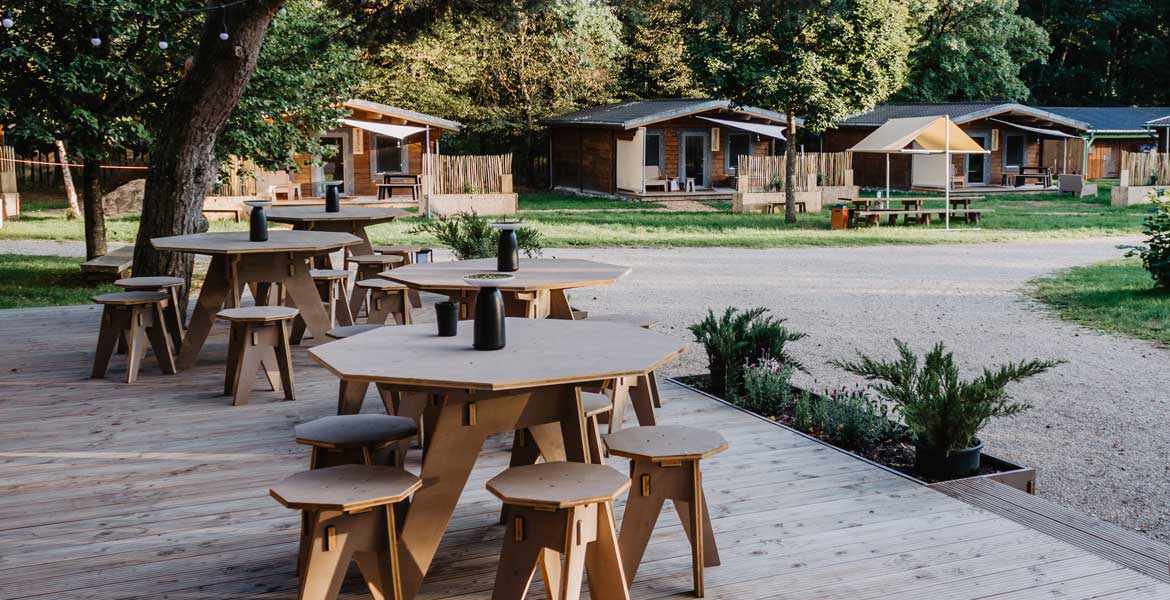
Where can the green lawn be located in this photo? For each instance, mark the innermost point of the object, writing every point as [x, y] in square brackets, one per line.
[1115, 296]
[592, 222]
[43, 281]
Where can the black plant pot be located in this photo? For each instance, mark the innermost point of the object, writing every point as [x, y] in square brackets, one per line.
[258, 224]
[932, 463]
[447, 315]
[508, 251]
[489, 319]
[332, 199]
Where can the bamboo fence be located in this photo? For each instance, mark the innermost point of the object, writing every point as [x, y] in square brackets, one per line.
[470, 174]
[1146, 168]
[766, 173]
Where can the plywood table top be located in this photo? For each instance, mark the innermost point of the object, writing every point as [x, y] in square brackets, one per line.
[237, 242]
[534, 274]
[312, 214]
[539, 352]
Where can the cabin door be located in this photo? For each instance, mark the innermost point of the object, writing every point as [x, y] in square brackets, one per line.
[978, 166]
[337, 166]
[694, 157]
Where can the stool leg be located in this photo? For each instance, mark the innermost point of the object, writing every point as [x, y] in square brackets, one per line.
[284, 360]
[176, 319]
[643, 505]
[593, 435]
[247, 363]
[685, 510]
[603, 562]
[357, 296]
[135, 342]
[378, 308]
[580, 532]
[345, 315]
[160, 339]
[517, 563]
[641, 396]
[329, 556]
[108, 337]
[235, 346]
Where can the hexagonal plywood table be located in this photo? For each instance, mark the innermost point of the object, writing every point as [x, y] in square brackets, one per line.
[350, 219]
[237, 261]
[538, 289]
[532, 383]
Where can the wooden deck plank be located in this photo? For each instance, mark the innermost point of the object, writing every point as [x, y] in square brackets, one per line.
[159, 490]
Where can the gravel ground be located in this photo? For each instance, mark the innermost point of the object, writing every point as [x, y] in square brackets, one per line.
[1098, 431]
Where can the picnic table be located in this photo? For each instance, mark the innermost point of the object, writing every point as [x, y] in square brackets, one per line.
[538, 289]
[236, 262]
[350, 219]
[533, 383]
[390, 181]
[1042, 174]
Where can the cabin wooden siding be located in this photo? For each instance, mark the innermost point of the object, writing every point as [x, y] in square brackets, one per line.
[585, 158]
[365, 182]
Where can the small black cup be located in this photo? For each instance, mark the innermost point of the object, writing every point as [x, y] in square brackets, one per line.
[447, 314]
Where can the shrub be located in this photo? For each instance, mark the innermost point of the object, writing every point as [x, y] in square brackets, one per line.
[943, 412]
[469, 236]
[739, 338]
[1156, 253]
[846, 419]
[767, 388]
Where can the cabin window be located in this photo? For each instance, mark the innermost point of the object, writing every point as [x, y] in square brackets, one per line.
[1013, 150]
[738, 144]
[389, 155]
[653, 150]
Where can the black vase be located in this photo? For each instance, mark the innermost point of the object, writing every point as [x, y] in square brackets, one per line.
[508, 251]
[447, 315]
[489, 319]
[258, 225]
[332, 199]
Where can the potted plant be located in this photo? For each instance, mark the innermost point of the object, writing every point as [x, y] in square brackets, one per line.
[942, 411]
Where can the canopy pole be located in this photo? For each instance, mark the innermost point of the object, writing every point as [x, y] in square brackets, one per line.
[1064, 156]
[427, 174]
[887, 180]
[947, 167]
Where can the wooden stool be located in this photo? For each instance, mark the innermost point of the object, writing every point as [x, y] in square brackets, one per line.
[348, 513]
[560, 509]
[410, 255]
[356, 439]
[258, 341]
[594, 405]
[665, 466]
[332, 284]
[368, 267]
[643, 389]
[175, 317]
[133, 318]
[386, 298]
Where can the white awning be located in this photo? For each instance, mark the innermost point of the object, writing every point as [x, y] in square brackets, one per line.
[772, 131]
[918, 135]
[400, 132]
[1041, 131]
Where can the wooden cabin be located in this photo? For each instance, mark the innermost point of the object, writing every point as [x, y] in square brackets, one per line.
[375, 143]
[1111, 130]
[659, 148]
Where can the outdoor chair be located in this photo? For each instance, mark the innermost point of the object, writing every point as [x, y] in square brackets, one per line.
[560, 516]
[348, 513]
[331, 287]
[666, 467]
[130, 319]
[258, 341]
[653, 178]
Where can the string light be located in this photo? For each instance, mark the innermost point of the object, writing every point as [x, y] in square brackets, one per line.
[7, 22]
[282, 10]
[223, 35]
[96, 40]
[163, 43]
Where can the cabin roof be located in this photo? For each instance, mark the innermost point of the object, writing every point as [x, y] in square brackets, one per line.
[1163, 122]
[960, 112]
[402, 113]
[1113, 119]
[638, 113]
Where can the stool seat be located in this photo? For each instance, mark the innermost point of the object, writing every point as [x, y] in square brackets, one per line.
[131, 298]
[380, 284]
[340, 333]
[346, 488]
[665, 442]
[558, 485]
[593, 403]
[148, 283]
[643, 321]
[375, 259]
[257, 314]
[328, 274]
[348, 431]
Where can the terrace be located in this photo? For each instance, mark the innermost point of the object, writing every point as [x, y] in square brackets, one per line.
[159, 490]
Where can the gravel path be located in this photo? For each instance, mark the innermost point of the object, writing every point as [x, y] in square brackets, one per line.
[1098, 432]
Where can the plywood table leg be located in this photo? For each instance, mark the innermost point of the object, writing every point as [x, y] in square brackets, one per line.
[211, 300]
[303, 295]
[559, 305]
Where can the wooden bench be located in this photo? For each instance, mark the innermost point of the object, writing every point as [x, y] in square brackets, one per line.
[873, 216]
[386, 190]
[770, 208]
[234, 212]
[110, 267]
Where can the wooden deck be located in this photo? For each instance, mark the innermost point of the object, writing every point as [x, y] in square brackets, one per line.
[158, 490]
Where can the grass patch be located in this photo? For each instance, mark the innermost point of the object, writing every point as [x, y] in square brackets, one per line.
[1116, 296]
[44, 281]
[551, 201]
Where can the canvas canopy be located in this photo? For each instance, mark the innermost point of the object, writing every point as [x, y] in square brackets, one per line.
[919, 135]
[1040, 130]
[400, 132]
[772, 131]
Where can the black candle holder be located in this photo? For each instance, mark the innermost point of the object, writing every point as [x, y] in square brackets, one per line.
[508, 248]
[332, 198]
[258, 220]
[489, 310]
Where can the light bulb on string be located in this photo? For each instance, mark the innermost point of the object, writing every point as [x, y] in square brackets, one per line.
[223, 35]
[282, 11]
[163, 43]
[96, 40]
[7, 22]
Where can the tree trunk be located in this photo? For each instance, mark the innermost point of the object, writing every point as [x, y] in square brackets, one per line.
[182, 161]
[95, 213]
[74, 210]
[790, 170]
